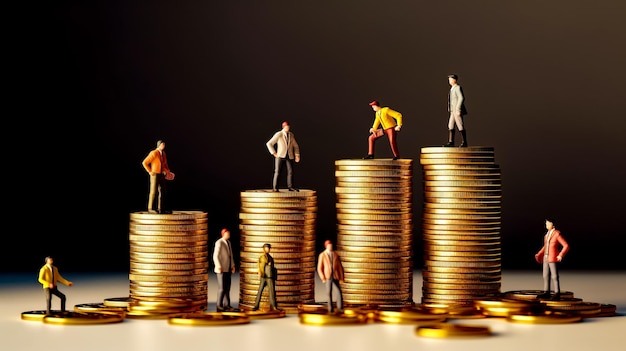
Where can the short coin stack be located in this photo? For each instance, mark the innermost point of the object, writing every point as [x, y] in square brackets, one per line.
[286, 220]
[461, 224]
[168, 263]
[375, 230]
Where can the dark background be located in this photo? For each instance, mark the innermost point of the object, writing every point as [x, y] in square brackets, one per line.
[92, 86]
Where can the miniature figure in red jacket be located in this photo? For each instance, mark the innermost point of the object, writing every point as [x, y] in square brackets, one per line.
[549, 255]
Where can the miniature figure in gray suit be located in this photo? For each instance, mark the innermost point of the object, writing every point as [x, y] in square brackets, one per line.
[549, 256]
[330, 270]
[284, 147]
[456, 108]
[224, 268]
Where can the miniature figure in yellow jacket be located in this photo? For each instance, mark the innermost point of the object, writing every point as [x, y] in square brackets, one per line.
[49, 276]
[390, 122]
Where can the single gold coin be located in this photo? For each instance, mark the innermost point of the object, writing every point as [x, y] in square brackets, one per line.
[453, 150]
[175, 215]
[266, 314]
[320, 319]
[407, 317]
[82, 318]
[313, 307]
[378, 180]
[37, 316]
[607, 310]
[378, 161]
[544, 318]
[150, 315]
[99, 307]
[268, 194]
[209, 319]
[450, 330]
[117, 301]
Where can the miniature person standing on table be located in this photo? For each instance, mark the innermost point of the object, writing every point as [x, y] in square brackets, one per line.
[49, 276]
[330, 270]
[390, 122]
[549, 256]
[287, 150]
[156, 166]
[224, 268]
[267, 275]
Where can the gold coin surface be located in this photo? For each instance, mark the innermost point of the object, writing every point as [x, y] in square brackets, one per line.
[320, 319]
[266, 314]
[37, 316]
[209, 319]
[82, 318]
[550, 318]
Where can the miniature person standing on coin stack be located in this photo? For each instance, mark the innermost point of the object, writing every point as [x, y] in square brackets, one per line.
[49, 276]
[267, 275]
[456, 108]
[284, 147]
[224, 268]
[549, 256]
[390, 122]
[330, 270]
[156, 166]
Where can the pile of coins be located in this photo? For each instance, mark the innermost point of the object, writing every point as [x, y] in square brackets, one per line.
[375, 230]
[528, 306]
[168, 263]
[461, 224]
[441, 321]
[431, 320]
[286, 220]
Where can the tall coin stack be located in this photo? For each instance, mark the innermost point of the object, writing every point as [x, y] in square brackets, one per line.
[461, 224]
[375, 230]
[168, 263]
[286, 220]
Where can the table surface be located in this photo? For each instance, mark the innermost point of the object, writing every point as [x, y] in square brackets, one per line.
[22, 292]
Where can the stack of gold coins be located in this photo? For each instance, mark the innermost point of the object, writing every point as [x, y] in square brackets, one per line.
[375, 230]
[461, 224]
[286, 220]
[168, 263]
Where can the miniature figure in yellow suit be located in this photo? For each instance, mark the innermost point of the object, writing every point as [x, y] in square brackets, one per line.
[156, 166]
[267, 276]
[390, 122]
[49, 276]
[330, 271]
[549, 256]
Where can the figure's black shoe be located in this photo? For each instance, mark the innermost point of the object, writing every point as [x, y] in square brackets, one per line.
[294, 189]
[368, 157]
[545, 295]
[220, 309]
[396, 157]
[450, 142]
[556, 296]
[463, 144]
[165, 211]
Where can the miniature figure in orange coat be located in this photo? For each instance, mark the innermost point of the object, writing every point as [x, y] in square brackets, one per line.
[330, 270]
